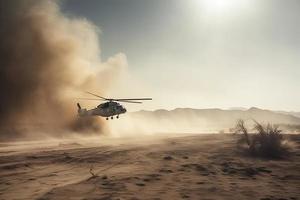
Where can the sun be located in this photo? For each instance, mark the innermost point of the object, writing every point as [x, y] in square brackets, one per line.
[221, 6]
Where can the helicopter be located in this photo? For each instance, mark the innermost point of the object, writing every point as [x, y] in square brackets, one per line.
[109, 109]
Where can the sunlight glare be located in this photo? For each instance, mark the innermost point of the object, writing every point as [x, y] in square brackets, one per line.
[221, 6]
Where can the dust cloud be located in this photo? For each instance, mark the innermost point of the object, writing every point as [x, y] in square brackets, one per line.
[47, 60]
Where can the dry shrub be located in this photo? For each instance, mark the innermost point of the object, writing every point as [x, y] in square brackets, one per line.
[266, 141]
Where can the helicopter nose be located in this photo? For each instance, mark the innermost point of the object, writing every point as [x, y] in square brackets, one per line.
[124, 110]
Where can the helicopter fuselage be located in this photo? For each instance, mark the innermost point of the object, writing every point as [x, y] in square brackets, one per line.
[107, 109]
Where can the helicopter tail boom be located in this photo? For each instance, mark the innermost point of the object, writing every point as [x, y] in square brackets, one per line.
[82, 111]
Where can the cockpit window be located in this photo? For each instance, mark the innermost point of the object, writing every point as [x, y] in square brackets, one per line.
[104, 105]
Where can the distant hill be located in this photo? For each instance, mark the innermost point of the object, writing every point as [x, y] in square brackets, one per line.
[238, 108]
[207, 120]
[296, 114]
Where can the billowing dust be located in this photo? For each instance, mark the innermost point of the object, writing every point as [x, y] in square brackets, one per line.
[47, 60]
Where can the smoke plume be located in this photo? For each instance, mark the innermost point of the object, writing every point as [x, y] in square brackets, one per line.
[46, 61]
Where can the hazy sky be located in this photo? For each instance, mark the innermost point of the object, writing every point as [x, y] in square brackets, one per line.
[202, 53]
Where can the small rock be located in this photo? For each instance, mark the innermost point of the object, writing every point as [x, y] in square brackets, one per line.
[68, 157]
[250, 171]
[104, 177]
[168, 158]
[263, 169]
[166, 171]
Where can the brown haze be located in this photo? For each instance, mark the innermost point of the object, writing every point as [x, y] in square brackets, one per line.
[47, 60]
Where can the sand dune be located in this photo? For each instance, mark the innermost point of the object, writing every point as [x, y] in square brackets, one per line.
[182, 167]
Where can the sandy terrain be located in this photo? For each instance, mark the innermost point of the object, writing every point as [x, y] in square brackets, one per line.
[182, 167]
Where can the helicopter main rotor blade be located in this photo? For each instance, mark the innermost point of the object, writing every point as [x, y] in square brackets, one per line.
[127, 101]
[130, 100]
[97, 96]
[92, 99]
[141, 99]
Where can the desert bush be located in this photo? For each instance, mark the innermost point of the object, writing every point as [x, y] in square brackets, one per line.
[241, 128]
[267, 140]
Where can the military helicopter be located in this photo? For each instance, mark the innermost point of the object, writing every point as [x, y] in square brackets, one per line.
[109, 109]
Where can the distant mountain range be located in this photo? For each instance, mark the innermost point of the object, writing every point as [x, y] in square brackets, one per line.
[211, 120]
[296, 114]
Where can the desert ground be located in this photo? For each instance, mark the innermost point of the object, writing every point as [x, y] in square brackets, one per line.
[203, 166]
